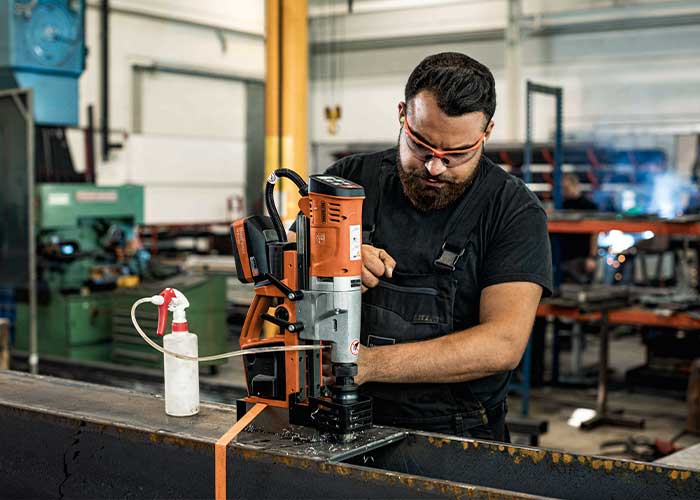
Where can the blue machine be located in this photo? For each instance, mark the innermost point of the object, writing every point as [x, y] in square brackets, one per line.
[42, 46]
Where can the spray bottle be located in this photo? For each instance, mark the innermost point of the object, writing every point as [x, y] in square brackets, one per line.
[181, 375]
[180, 353]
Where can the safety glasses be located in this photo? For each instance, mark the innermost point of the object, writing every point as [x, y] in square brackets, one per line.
[450, 158]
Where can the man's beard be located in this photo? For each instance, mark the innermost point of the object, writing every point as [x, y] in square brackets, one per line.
[426, 198]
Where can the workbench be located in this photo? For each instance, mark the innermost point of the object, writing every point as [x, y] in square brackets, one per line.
[633, 315]
[599, 310]
[75, 440]
[565, 223]
[630, 315]
[571, 222]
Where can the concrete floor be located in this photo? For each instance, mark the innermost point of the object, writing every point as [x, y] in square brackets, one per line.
[664, 419]
[664, 416]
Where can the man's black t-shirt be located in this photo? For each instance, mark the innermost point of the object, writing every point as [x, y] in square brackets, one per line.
[510, 242]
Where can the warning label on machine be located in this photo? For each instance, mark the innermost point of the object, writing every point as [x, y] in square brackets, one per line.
[355, 242]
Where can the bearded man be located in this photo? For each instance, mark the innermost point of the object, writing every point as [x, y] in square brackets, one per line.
[456, 256]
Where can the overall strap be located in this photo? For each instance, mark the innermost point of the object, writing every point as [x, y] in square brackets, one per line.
[372, 181]
[465, 219]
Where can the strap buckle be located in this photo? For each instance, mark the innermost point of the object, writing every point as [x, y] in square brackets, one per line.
[447, 261]
[367, 234]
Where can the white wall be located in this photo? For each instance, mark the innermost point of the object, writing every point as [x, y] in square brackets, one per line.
[138, 39]
[637, 81]
[634, 80]
[190, 151]
[194, 106]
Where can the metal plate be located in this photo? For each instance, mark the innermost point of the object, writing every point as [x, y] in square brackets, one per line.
[71, 439]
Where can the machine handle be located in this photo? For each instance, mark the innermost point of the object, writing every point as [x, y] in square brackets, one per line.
[251, 326]
[294, 327]
[292, 295]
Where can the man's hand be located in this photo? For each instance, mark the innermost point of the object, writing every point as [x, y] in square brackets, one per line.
[375, 263]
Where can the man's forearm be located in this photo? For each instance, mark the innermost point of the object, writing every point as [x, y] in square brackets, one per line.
[466, 355]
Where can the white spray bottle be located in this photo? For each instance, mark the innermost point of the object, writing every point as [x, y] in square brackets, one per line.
[181, 375]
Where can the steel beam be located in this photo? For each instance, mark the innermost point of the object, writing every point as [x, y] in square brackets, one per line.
[74, 440]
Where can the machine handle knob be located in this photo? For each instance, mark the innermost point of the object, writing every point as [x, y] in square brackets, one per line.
[295, 327]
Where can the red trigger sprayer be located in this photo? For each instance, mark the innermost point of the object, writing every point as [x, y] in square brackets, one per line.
[181, 375]
[181, 303]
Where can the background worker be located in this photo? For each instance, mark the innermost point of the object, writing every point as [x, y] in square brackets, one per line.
[578, 251]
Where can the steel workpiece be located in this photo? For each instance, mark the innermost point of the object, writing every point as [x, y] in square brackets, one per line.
[71, 439]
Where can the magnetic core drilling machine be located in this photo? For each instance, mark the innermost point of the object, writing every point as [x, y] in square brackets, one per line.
[309, 292]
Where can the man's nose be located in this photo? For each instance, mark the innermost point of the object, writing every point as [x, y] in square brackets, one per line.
[435, 166]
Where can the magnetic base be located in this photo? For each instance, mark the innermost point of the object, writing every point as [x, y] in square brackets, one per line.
[272, 431]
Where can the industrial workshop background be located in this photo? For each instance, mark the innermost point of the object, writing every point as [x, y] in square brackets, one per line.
[133, 134]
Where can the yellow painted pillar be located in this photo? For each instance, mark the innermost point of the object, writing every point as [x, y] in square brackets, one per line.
[286, 95]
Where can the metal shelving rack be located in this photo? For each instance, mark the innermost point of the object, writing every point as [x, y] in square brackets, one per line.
[523, 386]
[557, 92]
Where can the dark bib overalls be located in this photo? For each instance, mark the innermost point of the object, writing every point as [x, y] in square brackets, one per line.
[415, 307]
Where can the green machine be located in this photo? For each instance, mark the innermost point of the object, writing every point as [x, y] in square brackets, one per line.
[85, 247]
[92, 269]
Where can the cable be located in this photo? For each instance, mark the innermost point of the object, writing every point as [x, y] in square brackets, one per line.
[296, 179]
[272, 210]
[270, 199]
[215, 357]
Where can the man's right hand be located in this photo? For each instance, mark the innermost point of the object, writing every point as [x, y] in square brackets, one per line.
[375, 263]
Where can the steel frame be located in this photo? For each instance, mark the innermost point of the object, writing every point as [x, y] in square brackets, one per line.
[71, 439]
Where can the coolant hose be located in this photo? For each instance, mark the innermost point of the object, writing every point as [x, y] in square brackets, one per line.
[215, 357]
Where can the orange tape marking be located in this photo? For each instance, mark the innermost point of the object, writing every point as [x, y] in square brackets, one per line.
[221, 445]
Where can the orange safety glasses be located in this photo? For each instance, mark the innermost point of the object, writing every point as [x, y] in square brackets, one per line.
[450, 158]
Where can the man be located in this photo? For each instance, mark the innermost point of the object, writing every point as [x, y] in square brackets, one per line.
[455, 261]
[573, 198]
[578, 251]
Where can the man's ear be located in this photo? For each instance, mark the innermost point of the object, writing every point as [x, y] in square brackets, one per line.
[489, 128]
[402, 112]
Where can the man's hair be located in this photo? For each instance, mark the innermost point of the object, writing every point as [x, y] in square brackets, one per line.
[459, 83]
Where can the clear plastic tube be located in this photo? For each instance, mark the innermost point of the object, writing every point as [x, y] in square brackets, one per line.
[214, 357]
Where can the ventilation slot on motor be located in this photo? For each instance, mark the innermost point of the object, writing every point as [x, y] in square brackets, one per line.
[334, 212]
